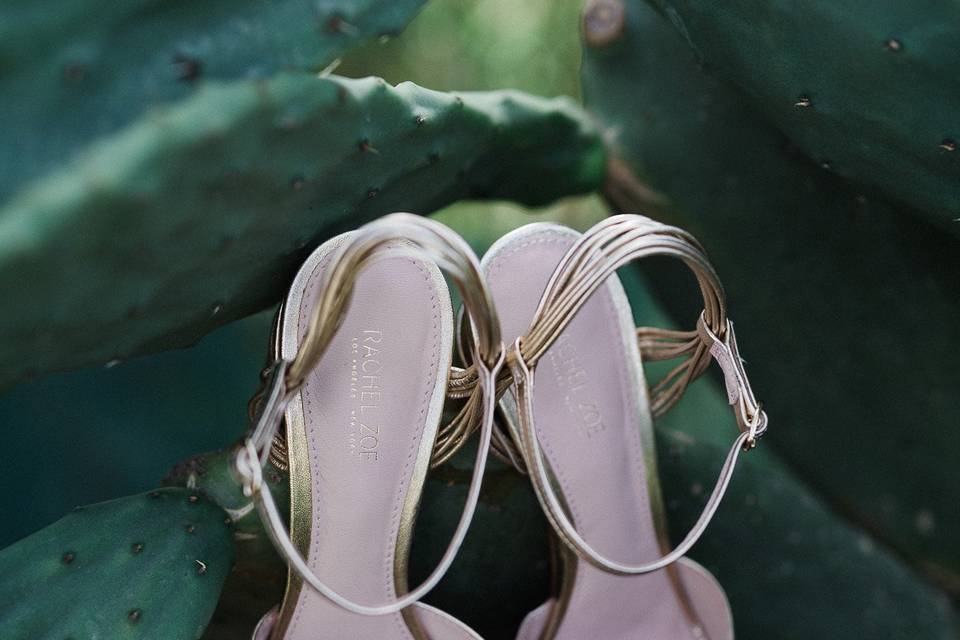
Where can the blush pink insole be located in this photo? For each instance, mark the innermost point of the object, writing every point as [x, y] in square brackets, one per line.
[370, 411]
[595, 427]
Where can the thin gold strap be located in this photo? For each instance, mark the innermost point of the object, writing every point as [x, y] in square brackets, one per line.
[423, 237]
[462, 386]
[600, 252]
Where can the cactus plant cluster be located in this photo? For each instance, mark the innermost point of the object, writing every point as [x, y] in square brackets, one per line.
[167, 166]
[848, 299]
[776, 544]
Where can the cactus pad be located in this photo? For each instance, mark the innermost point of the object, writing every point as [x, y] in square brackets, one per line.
[847, 304]
[258, 576]
[147, 566]
[72, 71]
[867, 88]
[773, 546]
[199, 214]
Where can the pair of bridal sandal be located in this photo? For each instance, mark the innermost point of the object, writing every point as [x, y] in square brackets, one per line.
[362, 368]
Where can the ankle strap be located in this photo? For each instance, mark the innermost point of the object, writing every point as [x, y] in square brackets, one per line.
[590, 261]
[423, 237]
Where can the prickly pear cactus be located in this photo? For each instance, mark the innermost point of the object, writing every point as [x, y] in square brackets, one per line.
[258, 575]
[868, 87]
[199, 214]
[86, 69]
[147, 566]
[847, 304]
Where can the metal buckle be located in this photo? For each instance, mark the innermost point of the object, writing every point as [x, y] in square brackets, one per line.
[751, 418]
[756, 423]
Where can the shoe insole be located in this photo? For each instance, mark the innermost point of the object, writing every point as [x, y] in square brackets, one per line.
[594, 423]
[364, 425]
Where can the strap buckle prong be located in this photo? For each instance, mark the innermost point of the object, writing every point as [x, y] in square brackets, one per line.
[756, 423]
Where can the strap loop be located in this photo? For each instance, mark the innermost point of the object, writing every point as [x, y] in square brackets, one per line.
[284, 379]
[603, 249]
[750, 416]
[425, 237]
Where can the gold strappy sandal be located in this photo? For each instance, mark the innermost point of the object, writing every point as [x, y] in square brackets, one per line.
[579, 420]
[362, 350]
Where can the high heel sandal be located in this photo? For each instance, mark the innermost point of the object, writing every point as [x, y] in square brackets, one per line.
[579, 420]
[363, 348]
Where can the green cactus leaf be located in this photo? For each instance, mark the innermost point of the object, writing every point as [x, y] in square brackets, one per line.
[845, 308]
[869, 88]
[73, 71]
[791, 569]
[199, 214]
[210, 475]
[258, 576]
[109, 432]
[146, 566]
